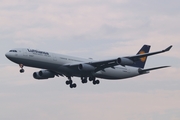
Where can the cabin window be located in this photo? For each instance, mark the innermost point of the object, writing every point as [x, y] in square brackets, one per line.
[13, 51]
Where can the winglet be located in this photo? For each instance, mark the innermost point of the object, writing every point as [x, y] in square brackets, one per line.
[167, 49]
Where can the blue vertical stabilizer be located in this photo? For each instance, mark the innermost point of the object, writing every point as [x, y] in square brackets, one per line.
[140, 63]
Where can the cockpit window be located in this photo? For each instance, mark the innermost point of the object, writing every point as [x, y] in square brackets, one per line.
[13, 51]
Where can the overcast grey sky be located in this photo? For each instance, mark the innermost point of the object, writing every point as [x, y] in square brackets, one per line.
[99, 29]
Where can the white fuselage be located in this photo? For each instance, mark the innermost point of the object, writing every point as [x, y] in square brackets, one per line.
[59, 63]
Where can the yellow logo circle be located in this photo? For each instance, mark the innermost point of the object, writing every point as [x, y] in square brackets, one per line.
[143, 59]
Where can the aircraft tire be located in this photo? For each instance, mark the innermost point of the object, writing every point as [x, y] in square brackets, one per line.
[71, 85]
[91, 78]
[74, 85]
[84, 81]
[97, 81]
[94, 82]
[67, 82]
[21, 70]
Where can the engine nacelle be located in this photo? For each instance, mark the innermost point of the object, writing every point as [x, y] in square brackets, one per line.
[86, 67]
[124, 61]
[43, 74]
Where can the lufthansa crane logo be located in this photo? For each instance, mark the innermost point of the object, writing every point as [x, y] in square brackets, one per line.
[143, 59]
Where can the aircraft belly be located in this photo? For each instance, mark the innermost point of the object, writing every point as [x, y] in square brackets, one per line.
[117, 73]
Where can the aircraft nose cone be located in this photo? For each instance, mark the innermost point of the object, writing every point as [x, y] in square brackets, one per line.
[7, 55]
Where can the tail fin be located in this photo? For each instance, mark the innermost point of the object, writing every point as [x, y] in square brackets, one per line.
[142, 61]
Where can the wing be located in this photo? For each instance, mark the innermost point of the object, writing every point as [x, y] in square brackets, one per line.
[148, 54]
[101, 65]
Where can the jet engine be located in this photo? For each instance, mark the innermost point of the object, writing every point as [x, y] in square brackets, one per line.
[43, 74]
[124, 61]
[86, 67]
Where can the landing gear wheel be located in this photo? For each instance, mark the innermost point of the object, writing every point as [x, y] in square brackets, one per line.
[68, 82]
[94, 82]
[21, 70]
[91, 78]
[84, 81]
[73, 85]
[97, 81]
[21, 66]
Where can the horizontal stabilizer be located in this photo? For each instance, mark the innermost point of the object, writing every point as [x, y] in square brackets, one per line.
[143, 71]
[167, 49]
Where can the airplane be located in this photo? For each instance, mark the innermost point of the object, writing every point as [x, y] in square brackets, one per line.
[87, 69]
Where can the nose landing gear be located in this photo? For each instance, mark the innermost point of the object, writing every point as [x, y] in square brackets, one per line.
[21, 70]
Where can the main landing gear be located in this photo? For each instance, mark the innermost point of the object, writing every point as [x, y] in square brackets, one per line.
[94, 81]
[84, 80]
[70, 83]
[21, 66]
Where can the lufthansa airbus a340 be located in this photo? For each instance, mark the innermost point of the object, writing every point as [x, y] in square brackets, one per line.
[87, 69]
